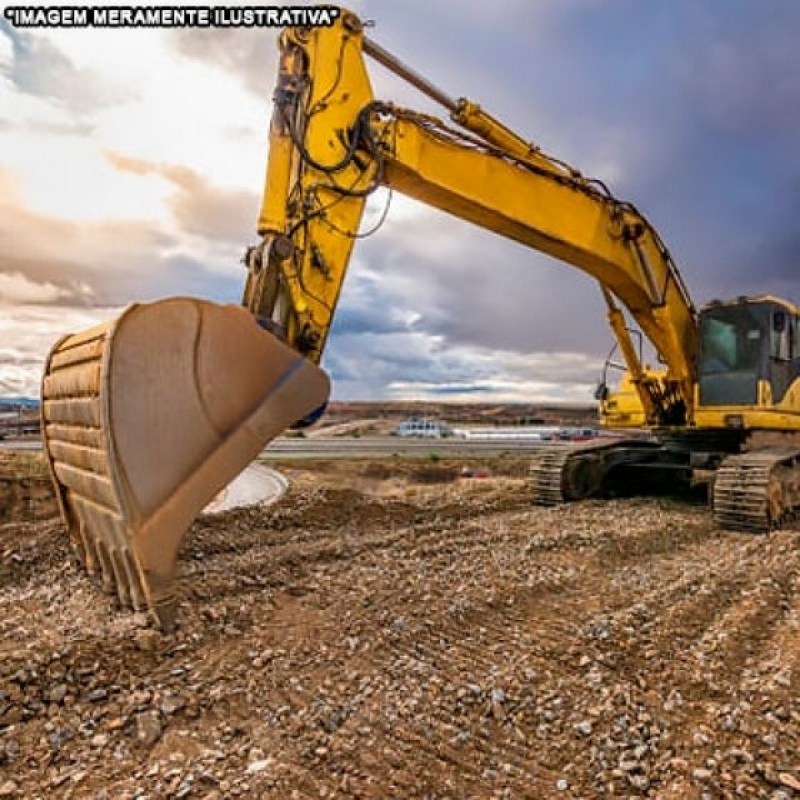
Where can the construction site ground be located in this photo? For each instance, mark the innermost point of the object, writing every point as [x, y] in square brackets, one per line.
[409, 629]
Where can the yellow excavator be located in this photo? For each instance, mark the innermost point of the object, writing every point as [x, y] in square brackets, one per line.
[146, 418]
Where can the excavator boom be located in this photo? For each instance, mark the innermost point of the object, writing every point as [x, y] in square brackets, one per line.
[332, 144]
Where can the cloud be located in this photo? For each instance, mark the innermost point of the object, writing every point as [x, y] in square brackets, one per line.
[105, 263]
[473, 287]
[221, 215]
[248, 54]
[16, 288]
[57, 128]
[37, 67]
[28, 332]
[423, 366]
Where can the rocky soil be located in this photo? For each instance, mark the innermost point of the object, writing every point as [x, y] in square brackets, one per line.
[385, 636]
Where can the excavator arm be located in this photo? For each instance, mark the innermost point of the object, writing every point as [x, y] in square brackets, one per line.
[332, 144]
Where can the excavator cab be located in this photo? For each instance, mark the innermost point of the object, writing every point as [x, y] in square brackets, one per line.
[145, 419]
[748, 352]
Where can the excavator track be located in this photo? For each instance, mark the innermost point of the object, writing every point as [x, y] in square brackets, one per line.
[757, 491]
[576, 470]
[545, 475]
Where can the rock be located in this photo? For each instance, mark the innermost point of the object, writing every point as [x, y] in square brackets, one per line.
[147, 640]
[259, 766]
[9, 789]
[57, 693]
[98, 695]
[11, 716]
[701, 774]
[148, 728]
[171, 704]
[139, 699]
[789, 781]
[562, 784]
[640, 782]
[584, 728]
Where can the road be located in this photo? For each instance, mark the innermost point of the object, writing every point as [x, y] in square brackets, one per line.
[366, 447]
[388, 446]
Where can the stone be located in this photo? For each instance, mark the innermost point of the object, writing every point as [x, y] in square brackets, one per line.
[171, 704]
[259, 766]
[789, 781]
[147, 640]
[148, 728]
[57, 693]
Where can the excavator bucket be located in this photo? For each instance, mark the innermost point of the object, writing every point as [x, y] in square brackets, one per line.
[145, 419]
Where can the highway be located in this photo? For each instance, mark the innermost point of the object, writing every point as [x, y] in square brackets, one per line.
[284, 448]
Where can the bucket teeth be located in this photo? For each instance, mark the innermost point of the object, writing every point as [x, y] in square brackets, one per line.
[147, 418]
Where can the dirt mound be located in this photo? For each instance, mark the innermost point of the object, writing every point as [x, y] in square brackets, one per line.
[26, 492]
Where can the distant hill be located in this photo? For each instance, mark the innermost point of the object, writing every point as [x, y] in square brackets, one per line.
[12, 403]
[463, 413]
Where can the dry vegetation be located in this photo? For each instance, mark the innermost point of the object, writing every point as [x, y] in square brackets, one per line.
[394, 630]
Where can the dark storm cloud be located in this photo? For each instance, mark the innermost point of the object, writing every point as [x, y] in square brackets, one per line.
[690, 110]
[351, 320]
[476, 288]
[368, 306]
[40, 69]
[708, 99]
[415, 364]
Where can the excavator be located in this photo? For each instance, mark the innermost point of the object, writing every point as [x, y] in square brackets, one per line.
[147, 417]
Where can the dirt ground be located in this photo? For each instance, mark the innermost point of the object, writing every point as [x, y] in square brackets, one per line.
[402, 631]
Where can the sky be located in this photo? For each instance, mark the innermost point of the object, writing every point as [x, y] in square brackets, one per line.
[132, 161]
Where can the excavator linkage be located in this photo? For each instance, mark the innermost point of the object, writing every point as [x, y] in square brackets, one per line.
[146, 418]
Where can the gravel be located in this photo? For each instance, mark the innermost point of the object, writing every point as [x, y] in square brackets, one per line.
[436, 642]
